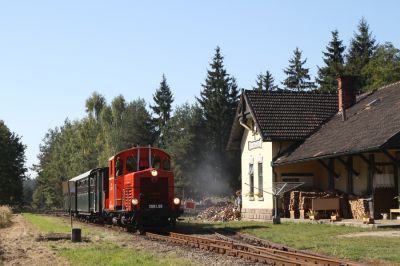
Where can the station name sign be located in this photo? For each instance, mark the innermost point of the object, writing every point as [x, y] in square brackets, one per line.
[255, 144]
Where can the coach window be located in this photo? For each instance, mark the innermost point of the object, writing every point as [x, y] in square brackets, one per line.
[131, 164]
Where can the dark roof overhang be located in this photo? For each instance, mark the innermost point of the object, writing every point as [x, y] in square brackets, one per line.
[328, 156]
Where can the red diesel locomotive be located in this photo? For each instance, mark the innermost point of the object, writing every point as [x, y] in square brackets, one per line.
[136, 190]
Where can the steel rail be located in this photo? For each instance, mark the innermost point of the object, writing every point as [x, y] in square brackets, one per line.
[254, 253]
[296, 254]
[219, 246]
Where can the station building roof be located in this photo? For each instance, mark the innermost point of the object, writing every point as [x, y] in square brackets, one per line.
[372, 124]
[283, 115]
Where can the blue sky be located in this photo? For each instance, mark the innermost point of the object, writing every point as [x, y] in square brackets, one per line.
[54, 54]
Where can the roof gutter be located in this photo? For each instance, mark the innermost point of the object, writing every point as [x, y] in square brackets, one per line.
[243, 124]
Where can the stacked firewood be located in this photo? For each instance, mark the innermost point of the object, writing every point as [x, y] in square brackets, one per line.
[220, 213]
[305, 198]
[294, 200]
[359, 207]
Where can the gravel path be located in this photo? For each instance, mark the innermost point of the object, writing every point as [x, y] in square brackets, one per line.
[375, 233]
[195, 256]
[19, 247]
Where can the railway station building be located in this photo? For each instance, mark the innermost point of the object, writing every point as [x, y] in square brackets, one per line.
[331, 142]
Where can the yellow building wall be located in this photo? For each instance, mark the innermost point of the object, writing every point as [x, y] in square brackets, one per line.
[262, 154]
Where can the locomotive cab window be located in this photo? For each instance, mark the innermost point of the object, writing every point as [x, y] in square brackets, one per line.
[131, 164]
[167, 164]
[156, 162]
[118, 167]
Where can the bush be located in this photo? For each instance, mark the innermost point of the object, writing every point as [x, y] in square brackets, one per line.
[5, 216]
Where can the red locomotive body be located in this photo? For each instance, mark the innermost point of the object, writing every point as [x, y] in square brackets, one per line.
[141, 188]
[136, 190]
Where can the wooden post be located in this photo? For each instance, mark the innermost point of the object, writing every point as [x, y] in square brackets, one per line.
[331, 179]
[349, 175]
[371, 173]
[69, 196]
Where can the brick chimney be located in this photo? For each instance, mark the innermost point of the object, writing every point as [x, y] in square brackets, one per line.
[347, 91]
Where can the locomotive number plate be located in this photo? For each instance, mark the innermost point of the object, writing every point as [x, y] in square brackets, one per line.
[155, 206]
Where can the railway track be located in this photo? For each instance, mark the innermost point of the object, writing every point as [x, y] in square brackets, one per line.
[264, 252]
[269, 256]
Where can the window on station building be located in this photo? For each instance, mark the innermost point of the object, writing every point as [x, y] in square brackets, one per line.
[260, 180]
[251, 179]
[131, 164]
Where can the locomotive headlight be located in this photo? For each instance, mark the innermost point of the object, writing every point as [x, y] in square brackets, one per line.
[154, 172]
[177, 201]
[135, 201]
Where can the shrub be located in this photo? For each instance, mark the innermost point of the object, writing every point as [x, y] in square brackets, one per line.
[5, 216]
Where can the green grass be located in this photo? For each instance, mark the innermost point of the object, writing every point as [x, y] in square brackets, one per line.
[48, 224]
[111, 254]
[100, 251]
[321, 238]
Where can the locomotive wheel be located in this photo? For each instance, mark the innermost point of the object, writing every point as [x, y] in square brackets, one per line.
[173, 223]
[141, 230]
[130, 228]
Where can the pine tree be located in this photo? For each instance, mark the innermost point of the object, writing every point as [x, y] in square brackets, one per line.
[361, 49]
[163, 99]
[218, 100]
[333, 59]
[297, 76]
[265, 82]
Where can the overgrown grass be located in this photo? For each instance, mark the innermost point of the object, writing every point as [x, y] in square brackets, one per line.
[5, 216]
[100, 251]
[321, 238]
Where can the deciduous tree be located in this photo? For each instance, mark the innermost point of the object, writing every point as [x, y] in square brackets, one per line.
[383, 68]
[12, 168]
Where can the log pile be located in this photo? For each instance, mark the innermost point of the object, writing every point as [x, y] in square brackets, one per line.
[223, 213]
[359, 207]
[350, 206]
[302, 200]
[294, 200]
[306, 197]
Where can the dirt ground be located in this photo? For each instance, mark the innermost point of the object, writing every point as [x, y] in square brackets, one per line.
[19, 247]
[379, 234]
